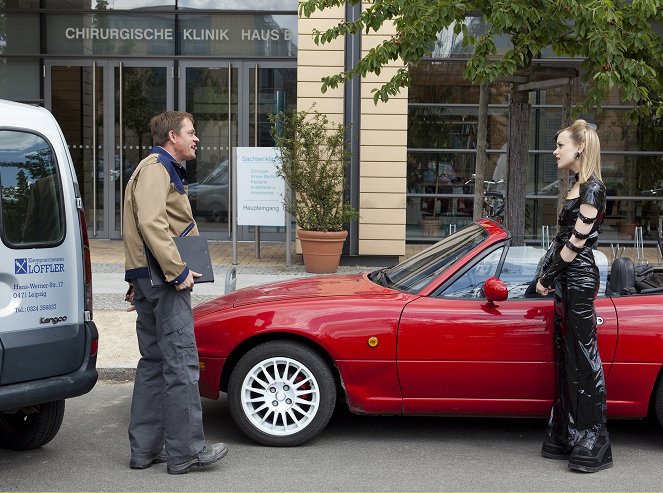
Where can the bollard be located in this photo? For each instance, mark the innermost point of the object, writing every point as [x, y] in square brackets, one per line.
[231, 280]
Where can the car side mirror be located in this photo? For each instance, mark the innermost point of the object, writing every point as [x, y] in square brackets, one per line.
[495, 290]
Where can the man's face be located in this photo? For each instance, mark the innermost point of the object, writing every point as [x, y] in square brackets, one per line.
[185, 142]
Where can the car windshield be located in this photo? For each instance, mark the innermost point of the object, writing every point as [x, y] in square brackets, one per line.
[416, 272]
[218, 176]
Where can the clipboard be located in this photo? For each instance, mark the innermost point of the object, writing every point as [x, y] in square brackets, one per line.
[194, 251]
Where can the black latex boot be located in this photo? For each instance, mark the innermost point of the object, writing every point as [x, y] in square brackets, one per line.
[593, 459]
[552, 449]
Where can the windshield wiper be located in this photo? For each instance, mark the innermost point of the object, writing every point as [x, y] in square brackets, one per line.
[381, 277]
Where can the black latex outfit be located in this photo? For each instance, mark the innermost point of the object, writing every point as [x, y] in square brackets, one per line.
[578, 413]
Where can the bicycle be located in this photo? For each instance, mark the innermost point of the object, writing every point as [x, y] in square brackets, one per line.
[493, 199]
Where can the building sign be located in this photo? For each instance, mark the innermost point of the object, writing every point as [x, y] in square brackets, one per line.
[241, 35]
[259, 190]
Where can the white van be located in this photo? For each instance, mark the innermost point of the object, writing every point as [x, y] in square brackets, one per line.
[48, 341]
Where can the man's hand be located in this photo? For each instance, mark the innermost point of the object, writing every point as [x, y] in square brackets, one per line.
[188, 282]
[129, 297]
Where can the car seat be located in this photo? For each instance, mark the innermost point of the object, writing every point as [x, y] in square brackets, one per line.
[622, 277]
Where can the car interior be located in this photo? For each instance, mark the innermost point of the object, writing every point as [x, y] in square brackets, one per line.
[626, 278]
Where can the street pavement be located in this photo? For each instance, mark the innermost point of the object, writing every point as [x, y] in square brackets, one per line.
[354, 453]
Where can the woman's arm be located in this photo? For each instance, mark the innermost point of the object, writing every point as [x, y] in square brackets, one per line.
[581, 231]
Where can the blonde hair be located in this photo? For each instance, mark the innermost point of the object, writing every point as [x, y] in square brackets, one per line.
[581, 132]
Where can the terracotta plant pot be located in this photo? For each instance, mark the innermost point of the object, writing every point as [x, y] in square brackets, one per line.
[430, 227]
[321, 250]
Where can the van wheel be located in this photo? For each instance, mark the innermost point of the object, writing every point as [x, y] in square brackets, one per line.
[31, 428]
[281, 393]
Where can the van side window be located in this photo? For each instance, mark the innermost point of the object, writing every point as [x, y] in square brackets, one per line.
[30, 191]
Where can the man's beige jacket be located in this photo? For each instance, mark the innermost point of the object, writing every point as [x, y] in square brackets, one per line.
[156, 208]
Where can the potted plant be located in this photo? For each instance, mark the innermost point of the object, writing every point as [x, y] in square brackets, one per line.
[430, 222]
[312, 158]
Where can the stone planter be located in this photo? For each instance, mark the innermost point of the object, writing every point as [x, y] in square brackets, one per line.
[321, 250]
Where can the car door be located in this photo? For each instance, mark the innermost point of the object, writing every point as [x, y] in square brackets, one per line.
[460, 354]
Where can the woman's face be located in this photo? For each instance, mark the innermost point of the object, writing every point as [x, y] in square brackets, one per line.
[565, 152]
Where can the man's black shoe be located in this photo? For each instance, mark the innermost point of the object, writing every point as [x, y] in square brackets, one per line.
[593, 459]
[208, 455]
[552, 449]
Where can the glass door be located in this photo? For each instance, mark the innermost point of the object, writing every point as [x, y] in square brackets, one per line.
[230, 104]
[140, 91]
[75, 95]
[272, 89]
[104, 109]
[210, 93]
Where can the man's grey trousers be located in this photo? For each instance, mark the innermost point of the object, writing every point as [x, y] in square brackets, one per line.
[166, 406]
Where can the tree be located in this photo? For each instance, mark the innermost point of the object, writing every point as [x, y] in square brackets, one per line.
[613, 39]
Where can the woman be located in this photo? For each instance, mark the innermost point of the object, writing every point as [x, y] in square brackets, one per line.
[576, 430]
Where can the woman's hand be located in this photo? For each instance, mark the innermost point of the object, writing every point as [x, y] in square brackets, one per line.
[543, 291]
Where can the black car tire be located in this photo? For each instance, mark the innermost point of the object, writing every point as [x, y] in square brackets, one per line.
[30, 430]
[303, 365]
[658, 400]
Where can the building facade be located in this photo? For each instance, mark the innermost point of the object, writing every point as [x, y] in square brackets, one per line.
[104, 67]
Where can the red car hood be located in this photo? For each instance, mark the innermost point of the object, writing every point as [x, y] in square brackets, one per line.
[307, 287]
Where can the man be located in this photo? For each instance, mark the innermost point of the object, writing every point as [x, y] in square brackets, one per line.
[166, 413]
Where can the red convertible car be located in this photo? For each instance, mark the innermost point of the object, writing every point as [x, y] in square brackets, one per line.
[453, 330]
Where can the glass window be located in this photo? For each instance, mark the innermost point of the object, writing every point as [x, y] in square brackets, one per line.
[519, 270]
[416, 272]
[470, 283]
[434, 81]
[19, 34]
[449, 45]
[111, 34]
[19, 79]
[239, 4]
[238, 35]
[453, 127]
[109, 4]
[30, 191]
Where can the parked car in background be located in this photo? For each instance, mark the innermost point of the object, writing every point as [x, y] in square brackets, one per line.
[455, 330]
[209, 196]
[48, 341]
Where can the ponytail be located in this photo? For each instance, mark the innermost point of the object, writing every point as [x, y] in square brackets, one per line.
[582, 132]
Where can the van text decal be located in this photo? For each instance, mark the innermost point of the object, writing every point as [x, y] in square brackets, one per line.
[52, 320]
[38, 265]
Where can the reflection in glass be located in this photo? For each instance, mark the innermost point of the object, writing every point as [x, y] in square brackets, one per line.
[77, 95]
[111, 34]
[470, 284]
[239, 4]
[443, 109]
[142, 96]
[277, 91]
[241, 35]
[215, 113]
[30, 190]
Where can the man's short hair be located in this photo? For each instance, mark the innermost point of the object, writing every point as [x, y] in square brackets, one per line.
[163, 123]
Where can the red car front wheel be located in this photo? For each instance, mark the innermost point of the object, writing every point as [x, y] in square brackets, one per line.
[281, 393]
